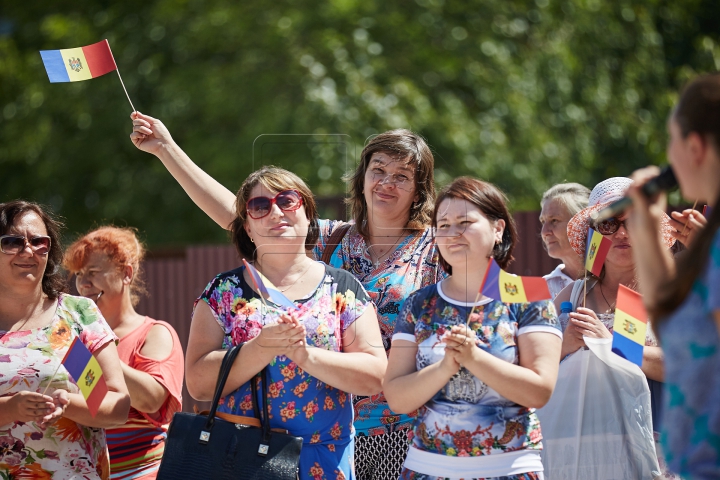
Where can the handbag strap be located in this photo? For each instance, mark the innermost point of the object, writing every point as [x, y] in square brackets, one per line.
[225, 368]
[265, 416]
[333, 242]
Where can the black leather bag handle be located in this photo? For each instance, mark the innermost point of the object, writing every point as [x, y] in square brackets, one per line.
[265, 417]
[225, 368]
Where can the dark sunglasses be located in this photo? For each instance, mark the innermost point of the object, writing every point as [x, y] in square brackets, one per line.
[13, 244]
[287, 201]
[609, 226]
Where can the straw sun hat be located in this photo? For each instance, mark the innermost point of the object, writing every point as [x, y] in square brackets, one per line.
[601, 196]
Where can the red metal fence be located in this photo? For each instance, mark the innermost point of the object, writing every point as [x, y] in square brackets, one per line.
[175, 279]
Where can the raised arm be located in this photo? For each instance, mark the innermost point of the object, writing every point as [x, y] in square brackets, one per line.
[151, 136]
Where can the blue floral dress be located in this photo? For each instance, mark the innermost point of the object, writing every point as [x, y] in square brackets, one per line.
[690, 432]
[305, 406]
[413, 265]
[467, 418]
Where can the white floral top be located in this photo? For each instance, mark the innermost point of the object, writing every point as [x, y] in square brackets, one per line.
[28, 359]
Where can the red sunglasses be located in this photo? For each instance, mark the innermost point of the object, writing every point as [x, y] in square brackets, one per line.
[287, 201]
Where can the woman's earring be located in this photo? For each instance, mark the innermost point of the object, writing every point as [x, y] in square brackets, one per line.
[251, 239]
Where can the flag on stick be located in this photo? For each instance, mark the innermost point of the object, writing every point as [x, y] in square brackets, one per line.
[630, 325]
[596, 250]
[266, 289]
[509, 288]
[82, 63]
[85, 370]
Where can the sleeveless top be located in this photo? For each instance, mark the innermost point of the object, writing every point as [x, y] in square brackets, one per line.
[136, 448]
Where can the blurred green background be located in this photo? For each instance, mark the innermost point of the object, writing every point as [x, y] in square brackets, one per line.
[525, 94]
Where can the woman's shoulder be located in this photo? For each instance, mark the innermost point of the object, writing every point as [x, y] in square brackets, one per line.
[341, 277]
[233, 278]
[422, 294]
[80, 309]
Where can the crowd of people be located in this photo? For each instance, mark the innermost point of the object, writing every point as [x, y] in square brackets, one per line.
[390, 365]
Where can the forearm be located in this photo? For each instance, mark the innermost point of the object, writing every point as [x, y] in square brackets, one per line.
[652, 363]
[113, 410]
[518, 384]
[146, 394]
[202, 375]
[210, 195]
[352, 372]
[410, 392]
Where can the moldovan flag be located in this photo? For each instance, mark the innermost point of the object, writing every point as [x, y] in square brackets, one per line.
[596, 250]
[86, 371]
[509, 288]
[266, 289]
[630, 325]
[82, 63]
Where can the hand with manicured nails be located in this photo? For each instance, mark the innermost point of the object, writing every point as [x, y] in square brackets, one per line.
[687, 225]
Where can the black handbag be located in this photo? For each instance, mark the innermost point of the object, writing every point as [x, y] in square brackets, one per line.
[205, 446]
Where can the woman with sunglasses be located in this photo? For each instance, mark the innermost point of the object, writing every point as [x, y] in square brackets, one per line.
[594, 298]
[316, 354]
[476, 368]
[106, 263]
[389, 248]
[683, 299]
[46, 428]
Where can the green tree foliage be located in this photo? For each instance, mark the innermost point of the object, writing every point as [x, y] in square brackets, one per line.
[525, 94]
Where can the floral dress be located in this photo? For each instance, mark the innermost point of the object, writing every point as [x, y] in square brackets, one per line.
[298, 402]
[28, 359]
[413, 265]
[467, 418]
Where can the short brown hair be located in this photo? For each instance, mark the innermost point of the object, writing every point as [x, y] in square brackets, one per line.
[121, 246]
[274, 179]
[492, 202]
[400, 144]
[53, 281]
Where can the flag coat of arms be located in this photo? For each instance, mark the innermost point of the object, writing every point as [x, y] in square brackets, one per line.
[630, 326]
[265, 287]
[509, 288]
[76, 64]
[596, 250]
[84, 368]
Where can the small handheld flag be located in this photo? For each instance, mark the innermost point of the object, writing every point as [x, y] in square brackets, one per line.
[85, 370]
[266, 289]
[706, 211]
[508, 288]
[596, 250]
[630, 326]
[81, 63]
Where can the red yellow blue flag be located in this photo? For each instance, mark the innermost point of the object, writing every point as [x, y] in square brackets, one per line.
[630, 325]
[265, 287]
[76, 64]
[509, 288]
[596, 250]
[85, 370]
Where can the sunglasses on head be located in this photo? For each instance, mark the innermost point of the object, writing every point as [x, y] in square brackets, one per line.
[12, 244]
[609, 226]
[287, 201]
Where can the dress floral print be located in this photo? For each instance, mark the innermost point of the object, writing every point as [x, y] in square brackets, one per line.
[413, 265]
[28, 359]
[467, 418]
[297, 401]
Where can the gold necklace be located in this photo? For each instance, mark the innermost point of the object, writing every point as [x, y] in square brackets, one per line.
[376, 263]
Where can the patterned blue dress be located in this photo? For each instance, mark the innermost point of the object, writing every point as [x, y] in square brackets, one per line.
[467, 418]
[307, 407]
[690, 434]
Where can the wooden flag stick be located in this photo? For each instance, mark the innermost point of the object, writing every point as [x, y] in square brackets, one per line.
[584, 288]
[117, 69]
[52, 378]
[686, 223]
[477, 297]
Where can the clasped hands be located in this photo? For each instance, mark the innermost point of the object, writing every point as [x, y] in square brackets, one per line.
[286, 337]
[583, 323]
[39, 408]
[460, 347]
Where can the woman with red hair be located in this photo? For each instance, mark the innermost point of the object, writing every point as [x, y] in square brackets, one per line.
[106, 263]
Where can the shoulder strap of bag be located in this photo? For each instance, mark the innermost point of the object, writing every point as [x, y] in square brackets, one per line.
[225, 368]
[265, 416]
[578, 288]
[333, 242]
